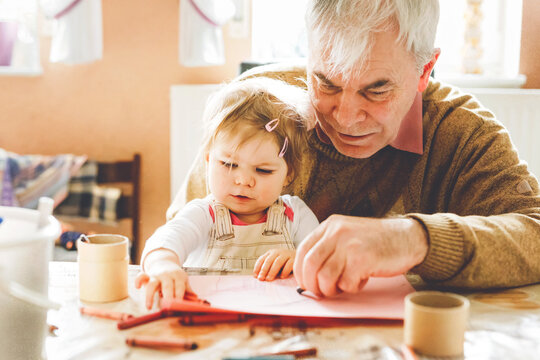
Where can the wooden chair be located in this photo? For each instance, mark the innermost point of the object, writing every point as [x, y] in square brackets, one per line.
[125, 173]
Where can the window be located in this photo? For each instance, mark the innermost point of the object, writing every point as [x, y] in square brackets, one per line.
[483, 36]
[279, 34]
[278, 30]
[19, 40]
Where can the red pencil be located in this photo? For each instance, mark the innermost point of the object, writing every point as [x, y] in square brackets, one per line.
[156, 342]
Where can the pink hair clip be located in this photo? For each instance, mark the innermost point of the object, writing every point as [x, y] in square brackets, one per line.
[284, 148]
[269, 124]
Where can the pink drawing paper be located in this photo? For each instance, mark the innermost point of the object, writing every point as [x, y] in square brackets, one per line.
[381, 298]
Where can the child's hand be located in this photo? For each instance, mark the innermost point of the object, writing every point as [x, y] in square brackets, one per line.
[163, 276]
[272, 262]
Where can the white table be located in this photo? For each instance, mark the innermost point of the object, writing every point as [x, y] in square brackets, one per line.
[502, 325]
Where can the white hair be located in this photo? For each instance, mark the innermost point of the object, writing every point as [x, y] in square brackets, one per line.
[342, 31]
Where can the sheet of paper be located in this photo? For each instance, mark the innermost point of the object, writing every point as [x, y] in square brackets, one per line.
[381, 298]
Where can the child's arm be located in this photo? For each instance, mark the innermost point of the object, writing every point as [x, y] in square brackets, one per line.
[274, 261]
[163, 274]
[167, 249]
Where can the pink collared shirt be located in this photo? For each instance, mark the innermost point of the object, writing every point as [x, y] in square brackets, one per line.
[236, 221]
[410, 135]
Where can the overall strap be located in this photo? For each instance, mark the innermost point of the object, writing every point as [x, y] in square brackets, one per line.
[275, 219]
[224, 228]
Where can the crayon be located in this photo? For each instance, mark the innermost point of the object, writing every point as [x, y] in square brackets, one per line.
[139, 320]
[193, 297]
[210, 319]
[205, 270]
[311, 351]
[156, 342]
[52, 330]
[105, 314]
[408, 353]
[306, 293]
[271, 357]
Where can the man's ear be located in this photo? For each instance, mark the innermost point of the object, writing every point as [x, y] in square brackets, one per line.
[428, 68]
[207, 156]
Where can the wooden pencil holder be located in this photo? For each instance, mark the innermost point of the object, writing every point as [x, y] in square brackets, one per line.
[435, 323]
[103, 267]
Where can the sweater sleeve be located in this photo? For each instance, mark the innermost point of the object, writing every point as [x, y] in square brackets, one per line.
[485, 230]
[187, 231]
[304, 221]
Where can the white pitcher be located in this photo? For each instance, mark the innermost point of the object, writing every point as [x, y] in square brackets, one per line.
[26, 245]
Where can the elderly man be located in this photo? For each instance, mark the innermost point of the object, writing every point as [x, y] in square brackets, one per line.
[406, 174]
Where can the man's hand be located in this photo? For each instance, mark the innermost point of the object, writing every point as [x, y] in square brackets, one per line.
[163, 275]
[272, 262]
[343, 252]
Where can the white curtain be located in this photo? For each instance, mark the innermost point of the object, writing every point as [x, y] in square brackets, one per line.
[201, 35]
[78, 30]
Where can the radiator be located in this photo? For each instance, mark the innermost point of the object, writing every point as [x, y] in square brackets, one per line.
[517, 109]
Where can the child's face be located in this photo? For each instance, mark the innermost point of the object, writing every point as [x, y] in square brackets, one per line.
[249, 179]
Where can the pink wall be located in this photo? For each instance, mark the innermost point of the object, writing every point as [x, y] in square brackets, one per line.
[117, 106]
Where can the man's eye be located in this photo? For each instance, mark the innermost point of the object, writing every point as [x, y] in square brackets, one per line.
[328, 88]
[228, 164]
[378, 95]
[264, 171]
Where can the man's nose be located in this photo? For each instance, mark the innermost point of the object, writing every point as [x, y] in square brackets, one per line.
[350, 109]
[243, 178]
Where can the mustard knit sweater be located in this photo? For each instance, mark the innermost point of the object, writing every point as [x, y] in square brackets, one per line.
[476, 199]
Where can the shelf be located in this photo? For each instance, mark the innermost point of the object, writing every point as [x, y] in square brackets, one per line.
[18, 71]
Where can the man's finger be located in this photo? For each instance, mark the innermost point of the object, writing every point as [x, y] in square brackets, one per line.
[313, 261]
[355, 275]
[301, 252]
[330, 273]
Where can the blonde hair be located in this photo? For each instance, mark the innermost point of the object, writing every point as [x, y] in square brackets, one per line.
[243, 108]
[343, 30]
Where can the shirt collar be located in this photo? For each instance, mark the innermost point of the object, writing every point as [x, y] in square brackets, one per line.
[410, 135]
[236, 221]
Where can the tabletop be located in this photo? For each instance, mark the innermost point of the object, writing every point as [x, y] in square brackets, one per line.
[502, 325]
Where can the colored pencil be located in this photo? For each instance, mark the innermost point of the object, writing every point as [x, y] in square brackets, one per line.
[158, 342]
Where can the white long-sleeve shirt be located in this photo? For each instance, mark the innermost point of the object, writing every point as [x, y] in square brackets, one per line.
[188, 233]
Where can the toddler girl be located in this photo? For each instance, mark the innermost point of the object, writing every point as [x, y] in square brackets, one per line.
[256, 129]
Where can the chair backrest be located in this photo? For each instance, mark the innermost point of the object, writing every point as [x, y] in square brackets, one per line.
[128, 206]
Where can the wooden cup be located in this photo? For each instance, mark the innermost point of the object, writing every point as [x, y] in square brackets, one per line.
[103, 267]
[435, 322]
